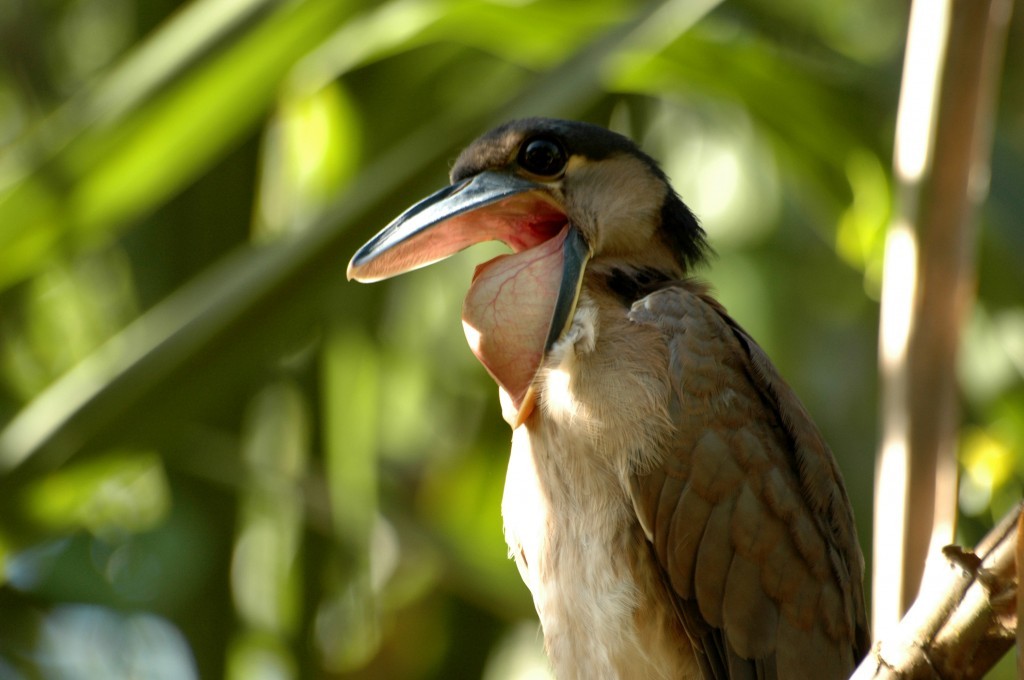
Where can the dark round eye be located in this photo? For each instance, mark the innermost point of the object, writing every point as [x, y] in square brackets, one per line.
[542, 156]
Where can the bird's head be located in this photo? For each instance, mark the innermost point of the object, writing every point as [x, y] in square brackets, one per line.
[563, 196]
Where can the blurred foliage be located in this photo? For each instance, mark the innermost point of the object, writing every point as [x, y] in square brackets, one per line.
[218, 458]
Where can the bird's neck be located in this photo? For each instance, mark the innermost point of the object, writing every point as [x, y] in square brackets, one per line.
[605, 384]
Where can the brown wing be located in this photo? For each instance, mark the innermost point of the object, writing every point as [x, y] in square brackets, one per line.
[746, 512]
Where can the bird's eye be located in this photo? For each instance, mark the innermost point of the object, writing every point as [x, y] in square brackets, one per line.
[542, 156]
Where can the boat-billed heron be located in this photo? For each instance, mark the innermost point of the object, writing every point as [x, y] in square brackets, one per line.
[669, 502]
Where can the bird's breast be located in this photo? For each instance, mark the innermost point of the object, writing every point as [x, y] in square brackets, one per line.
[569, 521]
[579, 549]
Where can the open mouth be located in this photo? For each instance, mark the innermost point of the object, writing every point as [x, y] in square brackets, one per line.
[516, 212]
[524, 221]
[518, 303]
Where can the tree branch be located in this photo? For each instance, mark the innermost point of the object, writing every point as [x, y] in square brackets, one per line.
[964, 621]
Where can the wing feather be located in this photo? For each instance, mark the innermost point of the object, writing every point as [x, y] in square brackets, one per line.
[692, 512]
[714, 556]
[746, 512]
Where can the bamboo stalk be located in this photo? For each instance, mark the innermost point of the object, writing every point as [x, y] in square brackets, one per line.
[941, 162]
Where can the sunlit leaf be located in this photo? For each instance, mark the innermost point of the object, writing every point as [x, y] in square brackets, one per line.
[860, 234]
[258, 656]
[112, 174]
[266, 564]
[70, 309]
[311, 149]
[119, 492]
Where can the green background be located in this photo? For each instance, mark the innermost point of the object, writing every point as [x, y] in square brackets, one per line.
[220, 459]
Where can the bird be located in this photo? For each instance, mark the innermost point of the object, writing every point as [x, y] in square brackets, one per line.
[669, 502]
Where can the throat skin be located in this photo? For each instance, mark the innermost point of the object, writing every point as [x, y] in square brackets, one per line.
[569, 520]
